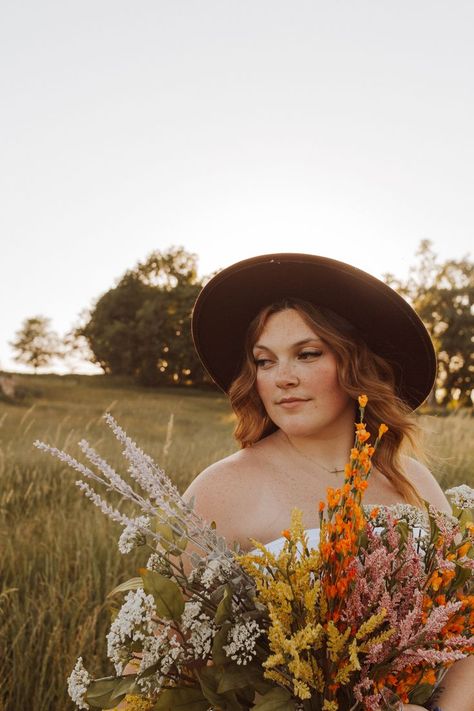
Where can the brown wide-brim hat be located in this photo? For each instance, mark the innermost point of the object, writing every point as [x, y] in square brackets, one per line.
[384, 320]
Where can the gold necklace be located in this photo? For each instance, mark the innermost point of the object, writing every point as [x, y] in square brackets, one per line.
[334, 470]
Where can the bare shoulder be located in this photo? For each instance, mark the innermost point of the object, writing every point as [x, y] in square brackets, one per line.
[222, 493]
[426, 484]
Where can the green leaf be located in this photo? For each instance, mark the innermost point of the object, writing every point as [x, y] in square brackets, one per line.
[277, 699]
[132, 584]
[126, 685]
[190, 699]
[224, 609]
[402, 528]
[167, 595]
[462, 576]
[218, 654]
[238, 677]
[172, 536]
[209, 678]
[421, 694]
[104, 693]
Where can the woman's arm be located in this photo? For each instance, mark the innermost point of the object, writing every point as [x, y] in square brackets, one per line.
[458, 687]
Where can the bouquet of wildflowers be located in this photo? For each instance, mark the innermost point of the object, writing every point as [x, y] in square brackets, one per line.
[372, 617]
[380, 610]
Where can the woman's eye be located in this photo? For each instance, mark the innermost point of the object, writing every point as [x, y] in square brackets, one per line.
[309, 354]
[261, 362]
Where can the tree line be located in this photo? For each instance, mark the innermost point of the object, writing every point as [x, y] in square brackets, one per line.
[140, 327]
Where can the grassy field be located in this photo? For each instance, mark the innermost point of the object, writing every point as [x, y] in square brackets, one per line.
[58, 554]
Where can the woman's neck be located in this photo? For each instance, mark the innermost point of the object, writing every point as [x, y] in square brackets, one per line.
[329, 451]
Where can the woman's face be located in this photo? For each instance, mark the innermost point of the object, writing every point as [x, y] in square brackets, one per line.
[297, 379]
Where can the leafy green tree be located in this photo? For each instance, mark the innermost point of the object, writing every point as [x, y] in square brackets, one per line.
[142, 326]
[442, 293]
[36, 344]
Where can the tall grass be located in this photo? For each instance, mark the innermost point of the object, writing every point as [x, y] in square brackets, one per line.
[58, 554]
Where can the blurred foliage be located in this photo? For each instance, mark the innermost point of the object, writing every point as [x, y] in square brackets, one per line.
[36, 344]
[141, 327]
[442, 293]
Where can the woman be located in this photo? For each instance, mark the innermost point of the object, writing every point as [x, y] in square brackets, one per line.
[294, 339]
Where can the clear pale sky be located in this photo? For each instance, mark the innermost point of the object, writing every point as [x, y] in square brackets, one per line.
[231, 128]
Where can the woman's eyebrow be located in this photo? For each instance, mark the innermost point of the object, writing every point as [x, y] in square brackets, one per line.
[294, 345]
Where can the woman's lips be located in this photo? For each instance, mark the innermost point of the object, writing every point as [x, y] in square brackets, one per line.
[290, 404]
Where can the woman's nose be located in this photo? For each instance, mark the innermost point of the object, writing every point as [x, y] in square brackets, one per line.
[286, 375]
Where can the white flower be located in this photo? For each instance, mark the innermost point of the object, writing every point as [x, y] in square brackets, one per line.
[462, 496]
[134, 622]
[132, 536]
[242, 638]
[78, 683]
[164, 651]
[201, 627]
[414, 516]
[216, 570]
[192, 608]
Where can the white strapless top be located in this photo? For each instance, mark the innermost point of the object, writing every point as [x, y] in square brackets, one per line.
[276, 546]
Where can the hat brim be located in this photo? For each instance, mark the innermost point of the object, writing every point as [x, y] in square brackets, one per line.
[387, 323]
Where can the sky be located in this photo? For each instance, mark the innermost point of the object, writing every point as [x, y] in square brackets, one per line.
[233, 129]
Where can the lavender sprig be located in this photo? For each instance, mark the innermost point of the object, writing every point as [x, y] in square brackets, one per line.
[162, 501]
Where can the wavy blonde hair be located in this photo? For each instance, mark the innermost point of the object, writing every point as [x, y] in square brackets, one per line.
[359, 369]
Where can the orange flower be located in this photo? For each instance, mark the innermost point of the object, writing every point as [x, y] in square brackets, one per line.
[363, 435]
[429, 677]
[333, 497]
[448, 575]
[363, 399]
[382, 429]
[326, 550]
[463, 549]
[287, 534]
[436, 581]
[375, 512]
[321, 506]
[342, 586]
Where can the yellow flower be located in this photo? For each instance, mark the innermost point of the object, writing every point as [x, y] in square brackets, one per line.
[371, 624]
[336, 640]
[363, 399]
[301, 690]
[136, 703]
[330, 705]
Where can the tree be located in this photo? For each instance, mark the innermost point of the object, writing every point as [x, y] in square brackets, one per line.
[443, 296]
[141, 327]
[36, 344]
[75, 348]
